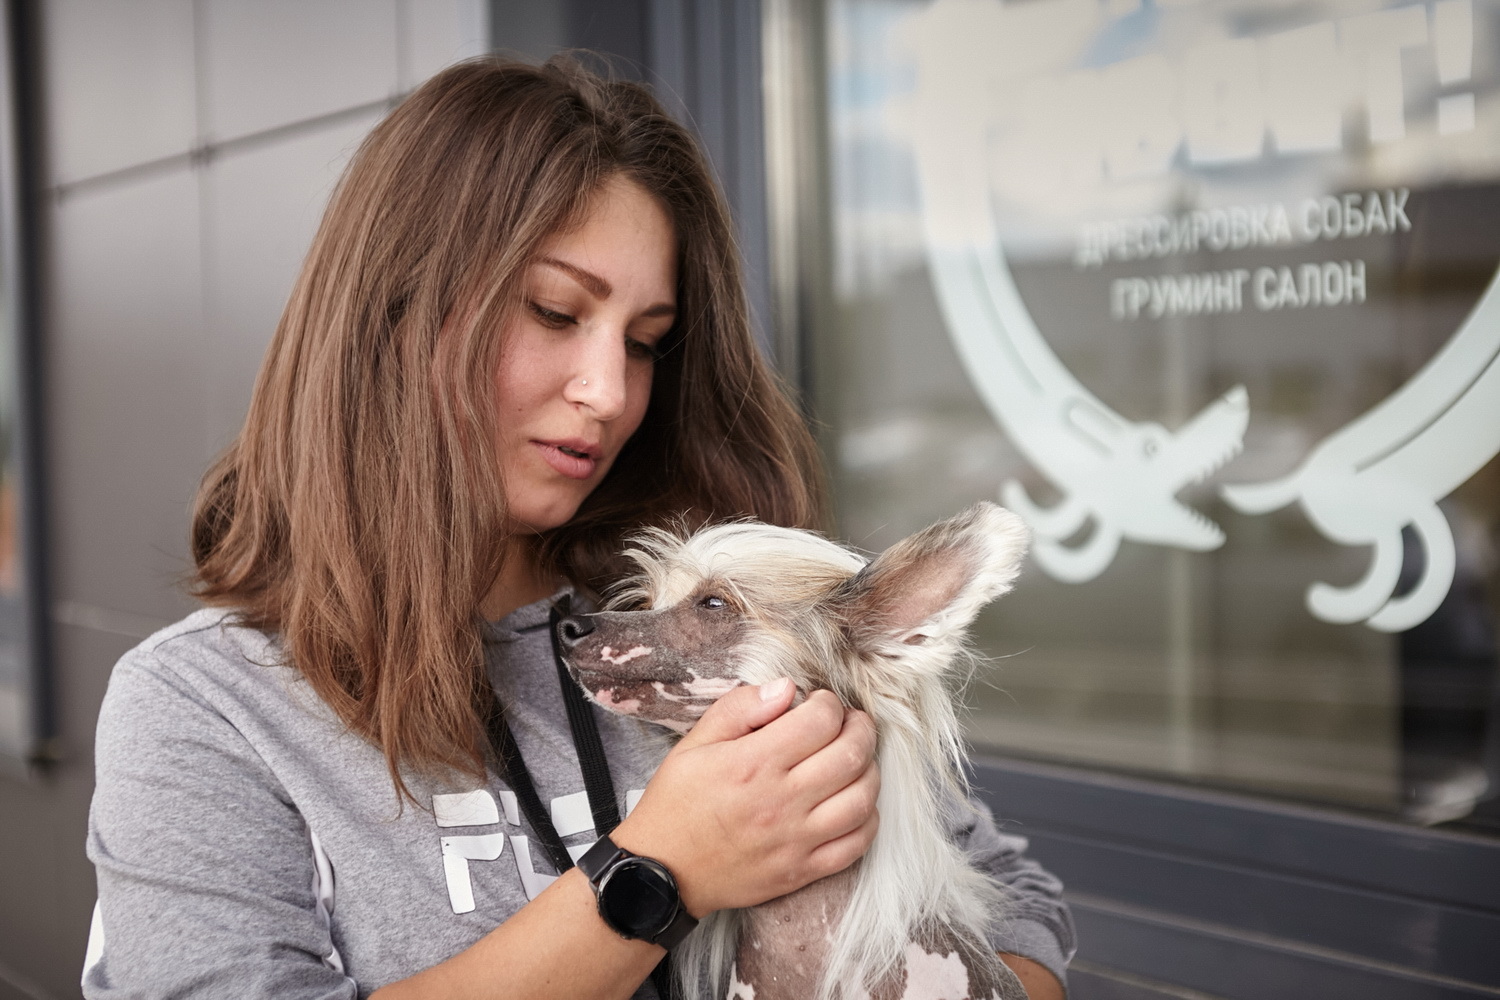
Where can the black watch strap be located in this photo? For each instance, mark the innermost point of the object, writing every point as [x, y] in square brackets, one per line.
[596, 863]
[681, 926]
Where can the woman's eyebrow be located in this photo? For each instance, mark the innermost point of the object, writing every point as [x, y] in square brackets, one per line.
[598, 287]
[595, 285]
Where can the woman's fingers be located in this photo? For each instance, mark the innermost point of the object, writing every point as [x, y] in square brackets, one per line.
[847, 809]
[841, 852]
[839, 761]
[740, 712]
[794, 737]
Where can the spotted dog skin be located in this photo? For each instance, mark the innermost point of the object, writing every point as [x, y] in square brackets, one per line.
[663, 666]
[943, 965]
[784, 946]
[784, 943]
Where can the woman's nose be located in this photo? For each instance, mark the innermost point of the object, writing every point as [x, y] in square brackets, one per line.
[599, 379]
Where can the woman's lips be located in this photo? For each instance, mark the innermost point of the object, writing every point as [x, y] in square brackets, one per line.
[572, 466]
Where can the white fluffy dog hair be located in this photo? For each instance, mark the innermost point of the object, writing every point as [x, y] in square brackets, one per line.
[746, 603]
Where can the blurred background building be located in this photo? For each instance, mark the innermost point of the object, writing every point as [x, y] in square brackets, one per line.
[1203, 287]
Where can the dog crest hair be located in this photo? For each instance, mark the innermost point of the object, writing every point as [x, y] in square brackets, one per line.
[887, 635]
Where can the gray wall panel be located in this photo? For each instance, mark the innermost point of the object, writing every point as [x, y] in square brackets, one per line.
[432, 34]
[119, 84]
[126, 391]
[1455, 868]
[1242, 897]
[261, 206]
[1223, 963]
[1089, 982]
[46, 887]
[44, 824]
[275, 62]
[1445, 940]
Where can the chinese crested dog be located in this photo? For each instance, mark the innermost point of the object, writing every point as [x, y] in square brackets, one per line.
[746, 603]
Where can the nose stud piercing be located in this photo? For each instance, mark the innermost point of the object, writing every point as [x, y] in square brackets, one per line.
[585, 382]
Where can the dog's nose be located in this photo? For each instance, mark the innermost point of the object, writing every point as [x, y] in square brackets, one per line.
[573, 628]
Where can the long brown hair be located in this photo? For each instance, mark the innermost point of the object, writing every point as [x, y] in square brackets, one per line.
[360, 512]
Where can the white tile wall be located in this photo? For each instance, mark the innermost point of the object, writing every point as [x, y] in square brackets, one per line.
[125, 392]
[261, 207]
[119, 83]
[273, 62]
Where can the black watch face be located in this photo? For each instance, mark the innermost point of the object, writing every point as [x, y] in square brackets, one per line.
[638, 898]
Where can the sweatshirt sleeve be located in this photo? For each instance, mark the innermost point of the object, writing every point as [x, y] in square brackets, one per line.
[1036, 923]
[205, 867]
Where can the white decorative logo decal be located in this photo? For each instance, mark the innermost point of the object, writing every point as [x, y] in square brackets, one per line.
[1362, 485]
[1386, 470]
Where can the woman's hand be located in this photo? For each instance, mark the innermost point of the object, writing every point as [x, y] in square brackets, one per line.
[757, 801]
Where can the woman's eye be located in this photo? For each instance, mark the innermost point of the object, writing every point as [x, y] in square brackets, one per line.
[642, 350]
[712, 601]
[551, 317]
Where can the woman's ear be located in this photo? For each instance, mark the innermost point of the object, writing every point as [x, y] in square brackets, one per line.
[930, 587]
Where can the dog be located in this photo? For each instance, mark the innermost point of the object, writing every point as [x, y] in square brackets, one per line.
[746, 603]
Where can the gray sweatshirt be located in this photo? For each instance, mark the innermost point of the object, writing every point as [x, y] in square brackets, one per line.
[248, 845]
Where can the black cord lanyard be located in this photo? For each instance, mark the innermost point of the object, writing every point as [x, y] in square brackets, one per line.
[596, 780]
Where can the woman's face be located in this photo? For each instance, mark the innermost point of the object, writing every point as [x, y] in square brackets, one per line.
[575, 368]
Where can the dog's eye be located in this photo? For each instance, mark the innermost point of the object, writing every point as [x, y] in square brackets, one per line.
[712, 602]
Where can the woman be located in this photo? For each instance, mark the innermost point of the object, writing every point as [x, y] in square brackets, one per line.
[518, 336]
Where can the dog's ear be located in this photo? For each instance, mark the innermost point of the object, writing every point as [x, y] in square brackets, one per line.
[929, 587]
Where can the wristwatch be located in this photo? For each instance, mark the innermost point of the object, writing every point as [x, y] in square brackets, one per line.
[637, 896]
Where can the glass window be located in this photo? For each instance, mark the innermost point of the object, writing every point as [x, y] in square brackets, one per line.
[1204, 289]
